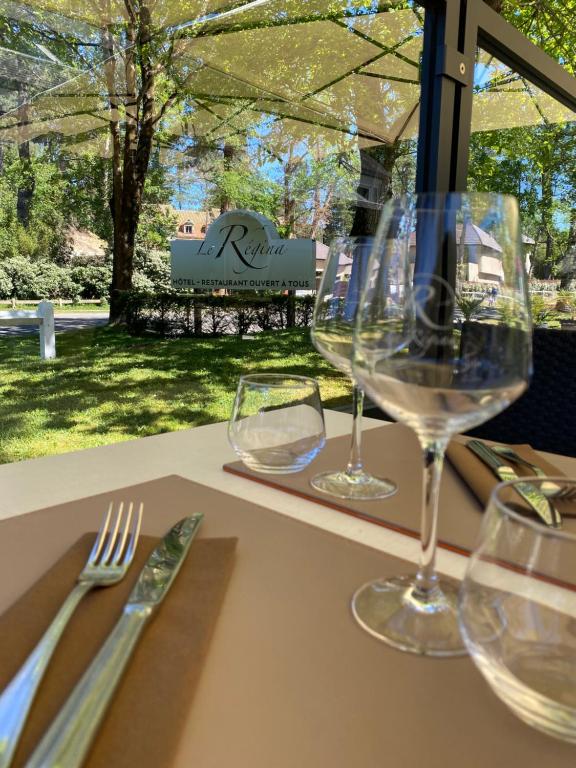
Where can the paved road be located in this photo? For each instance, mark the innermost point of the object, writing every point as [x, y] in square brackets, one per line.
[69, 321]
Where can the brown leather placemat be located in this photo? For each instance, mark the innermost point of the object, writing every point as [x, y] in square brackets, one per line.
[290, 679]
[159, 683]
[391, 451]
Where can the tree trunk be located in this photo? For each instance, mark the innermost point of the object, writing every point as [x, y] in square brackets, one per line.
[569, 267]
[545, 235]
[27, 184]
[128, 183]
[229, 152]
[289, 203]
[375, 186]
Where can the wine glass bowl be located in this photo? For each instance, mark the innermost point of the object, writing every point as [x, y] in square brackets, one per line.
[430, 363]
[332, 334]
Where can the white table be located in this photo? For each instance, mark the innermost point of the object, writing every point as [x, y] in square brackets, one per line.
[197, 454]
[247, 709]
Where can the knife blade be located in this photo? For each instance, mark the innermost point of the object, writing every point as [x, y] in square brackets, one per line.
[68, 739]
[530, 493]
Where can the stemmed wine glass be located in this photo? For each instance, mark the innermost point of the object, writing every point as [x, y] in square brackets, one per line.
[423, 360]
[332, 334]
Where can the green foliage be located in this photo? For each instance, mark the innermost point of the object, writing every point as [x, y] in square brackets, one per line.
[177, 314]
[35, 261]
[93, 280]
[5, 283]
[45, 237]
[152, 271]
[469, 306]
[247, 189]
[540, 310]
[505, 311]
[86, 204]
[24, 279]
[566, 301]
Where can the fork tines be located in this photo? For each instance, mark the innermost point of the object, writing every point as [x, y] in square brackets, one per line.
[116, 540]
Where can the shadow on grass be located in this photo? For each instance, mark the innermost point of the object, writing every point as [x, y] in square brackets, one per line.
[105, 383]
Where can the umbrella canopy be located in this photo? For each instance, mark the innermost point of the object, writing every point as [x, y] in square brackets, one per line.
[504, 99]
[283, 72]
[338, 76]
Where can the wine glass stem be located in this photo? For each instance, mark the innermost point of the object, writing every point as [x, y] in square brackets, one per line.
[354, 466]
[433, 454]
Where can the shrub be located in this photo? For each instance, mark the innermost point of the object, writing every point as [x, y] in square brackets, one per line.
[93, 281]
[469, 306]
[5, 284]
[176, 314]
[151, 270]
[542, 313]
[24, 278]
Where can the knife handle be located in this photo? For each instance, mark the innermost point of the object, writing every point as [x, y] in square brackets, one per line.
[68, 739]
[485, 454]
[16, 700]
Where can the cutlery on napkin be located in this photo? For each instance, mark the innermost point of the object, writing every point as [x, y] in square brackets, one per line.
[529, 492]
[107, 564]
[68, 739]
[481, 480]
[157, 688]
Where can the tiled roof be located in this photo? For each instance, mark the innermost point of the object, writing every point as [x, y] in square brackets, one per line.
[198, 219]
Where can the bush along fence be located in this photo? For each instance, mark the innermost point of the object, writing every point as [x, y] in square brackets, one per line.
[175, 314]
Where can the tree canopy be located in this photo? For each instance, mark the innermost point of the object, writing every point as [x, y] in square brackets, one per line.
[305, 111]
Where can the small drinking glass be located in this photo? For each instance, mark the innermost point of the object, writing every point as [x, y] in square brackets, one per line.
[517, 609]
[277, 423]
[332, 335]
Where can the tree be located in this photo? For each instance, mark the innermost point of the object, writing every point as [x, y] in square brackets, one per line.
[156, 78]
[536, 163]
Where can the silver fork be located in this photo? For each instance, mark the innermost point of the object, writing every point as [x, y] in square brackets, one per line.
[548, 487]
[111, 555]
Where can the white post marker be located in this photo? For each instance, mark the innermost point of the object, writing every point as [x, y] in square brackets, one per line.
[47, 338]
[43, 317]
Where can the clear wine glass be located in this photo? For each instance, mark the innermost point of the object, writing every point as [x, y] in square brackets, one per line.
[332, 334]
[437, 358]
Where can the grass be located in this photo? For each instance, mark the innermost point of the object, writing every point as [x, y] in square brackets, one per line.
[106, 386]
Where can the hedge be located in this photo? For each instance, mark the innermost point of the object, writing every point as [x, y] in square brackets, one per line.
[177, 314]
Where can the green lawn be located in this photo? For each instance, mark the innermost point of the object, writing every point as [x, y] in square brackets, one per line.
[106, 386]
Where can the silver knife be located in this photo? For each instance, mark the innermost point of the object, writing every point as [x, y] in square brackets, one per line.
[530, 493]
[68, 739]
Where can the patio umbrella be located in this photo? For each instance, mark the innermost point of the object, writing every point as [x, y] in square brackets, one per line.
[504, 99]
[285, 73]
[280, 73]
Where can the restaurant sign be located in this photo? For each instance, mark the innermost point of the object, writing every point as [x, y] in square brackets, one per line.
[243, 252]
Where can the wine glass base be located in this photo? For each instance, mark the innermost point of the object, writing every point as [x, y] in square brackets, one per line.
[393, 611]
[360, 485]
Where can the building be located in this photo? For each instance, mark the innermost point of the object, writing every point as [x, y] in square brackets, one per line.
[192, 225]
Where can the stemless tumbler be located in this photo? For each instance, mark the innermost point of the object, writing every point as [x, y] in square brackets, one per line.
[518, 609]
[277, 424]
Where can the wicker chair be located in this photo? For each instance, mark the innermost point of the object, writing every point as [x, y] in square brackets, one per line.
[545, 415]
